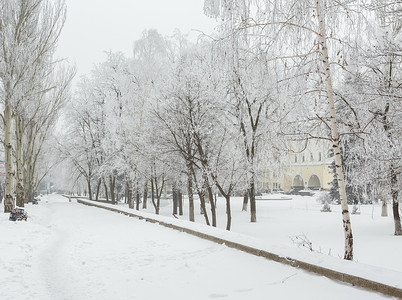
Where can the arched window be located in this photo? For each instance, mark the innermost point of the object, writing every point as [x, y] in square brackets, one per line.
[298, 182]
[314, 182]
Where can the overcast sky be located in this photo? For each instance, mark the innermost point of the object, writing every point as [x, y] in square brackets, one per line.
[95, 26]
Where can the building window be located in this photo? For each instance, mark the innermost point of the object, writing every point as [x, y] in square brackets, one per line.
[303, 159]
[295, 158]
[311, 157]
[319, 156]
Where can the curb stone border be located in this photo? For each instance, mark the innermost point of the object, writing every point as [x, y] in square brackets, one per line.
[331, 274]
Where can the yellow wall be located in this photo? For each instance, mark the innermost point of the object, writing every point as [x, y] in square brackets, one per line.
[314, 160]
[306, 171]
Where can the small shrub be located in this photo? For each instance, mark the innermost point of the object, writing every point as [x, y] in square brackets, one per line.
[326, 207]
[323, 198]
[302, 241]
[355, 210]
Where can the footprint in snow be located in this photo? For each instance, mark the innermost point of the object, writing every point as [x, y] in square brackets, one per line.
[217, 296]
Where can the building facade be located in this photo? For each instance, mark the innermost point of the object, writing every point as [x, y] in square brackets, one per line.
[309, 169]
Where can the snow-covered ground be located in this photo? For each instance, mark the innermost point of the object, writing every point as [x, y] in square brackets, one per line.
[70, 251]
[280, 221]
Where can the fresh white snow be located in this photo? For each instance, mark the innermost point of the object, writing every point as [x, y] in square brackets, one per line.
[70, 251]
[278, 221]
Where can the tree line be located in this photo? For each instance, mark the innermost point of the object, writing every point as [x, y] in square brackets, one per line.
[34, 86]
[208, 117]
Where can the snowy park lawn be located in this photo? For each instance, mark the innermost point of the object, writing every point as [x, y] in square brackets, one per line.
[70, 251]
[280, 221]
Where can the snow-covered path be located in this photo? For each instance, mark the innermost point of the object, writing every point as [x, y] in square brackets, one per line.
[89, 253]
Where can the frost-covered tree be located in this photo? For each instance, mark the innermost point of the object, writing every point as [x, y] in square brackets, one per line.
[29, 30]
[117, 98]
[102, 122]
[300, 33]
[182, 115]
[85, 124]
[379, 79]
[352, 160]
[251, 83]
[34, 129]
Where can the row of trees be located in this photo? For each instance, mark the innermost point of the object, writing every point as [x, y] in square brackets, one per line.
[33, 88]
[208, 117]
[348, 56]
[154, 120]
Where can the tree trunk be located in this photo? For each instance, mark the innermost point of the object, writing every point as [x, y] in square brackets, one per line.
[395, 203]
[9, 191]
[145, 196]
[335, 137]
[28, 180]
[200, 193]
[190, 196]
[126, 193]
[212, 204]
[27, 193]
[98, 188]
[209, 197]
[384, 209]
[19, 132]
[20, 192]
[393, 174]
[130, 199]
[227, 198]
[158, 203]
[137, 198]
[180, 202]
[203, 208]
[130, 196]
[253, 207]
[112, 181]
[106, 190]
[175, 201]
[245, 200]
[89, 188]
[156, 206]
[228, 213]
[201, 196]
